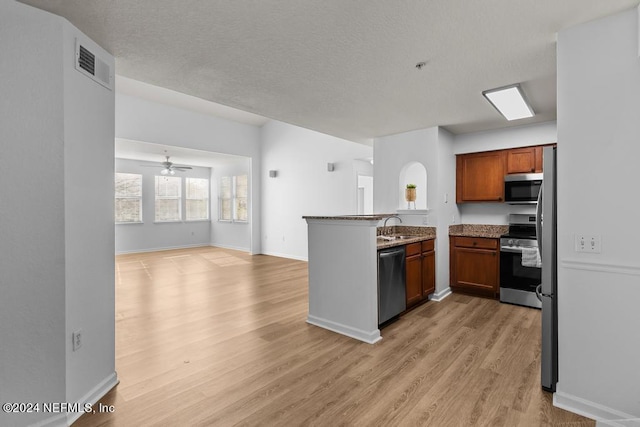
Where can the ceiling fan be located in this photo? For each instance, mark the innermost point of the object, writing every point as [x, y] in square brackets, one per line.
[168, 168]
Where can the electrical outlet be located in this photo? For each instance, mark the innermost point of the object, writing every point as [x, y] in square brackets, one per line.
[425, 220]
[588, 243]
[77, 339]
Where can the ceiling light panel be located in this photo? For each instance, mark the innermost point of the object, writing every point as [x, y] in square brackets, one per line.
[510, 102]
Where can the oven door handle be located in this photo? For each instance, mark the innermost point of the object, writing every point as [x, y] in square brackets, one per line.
[511, 250]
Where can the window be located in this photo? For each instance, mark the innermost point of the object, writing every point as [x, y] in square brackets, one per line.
[240, 199]
[168, 198]
[234, 191]
[197, 199]
[128, 203]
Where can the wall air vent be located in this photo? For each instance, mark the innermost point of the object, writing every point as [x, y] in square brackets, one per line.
[93, 67]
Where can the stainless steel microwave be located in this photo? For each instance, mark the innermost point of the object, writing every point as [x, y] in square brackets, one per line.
[522, 189]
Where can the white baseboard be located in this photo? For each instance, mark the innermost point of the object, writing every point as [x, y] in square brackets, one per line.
[67, 418]
[165, 248]
[280, 255]
[439, 296]
[592, 410]
[233, 248]
[368, 337]
[94, 395]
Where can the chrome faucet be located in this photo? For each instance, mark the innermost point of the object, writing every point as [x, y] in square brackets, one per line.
[384, 226]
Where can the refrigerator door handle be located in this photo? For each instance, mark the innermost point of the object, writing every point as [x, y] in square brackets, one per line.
[539, 220]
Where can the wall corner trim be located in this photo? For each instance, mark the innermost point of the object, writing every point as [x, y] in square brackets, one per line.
[440, 295]
[368, 337]
[94, 395]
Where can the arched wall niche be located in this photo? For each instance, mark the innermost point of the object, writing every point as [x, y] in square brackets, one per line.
[413, 173]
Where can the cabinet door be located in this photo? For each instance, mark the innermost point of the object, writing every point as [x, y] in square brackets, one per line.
[413, 268]
[428, 273]
[538, 159]
[480, 177]
[521, 160]
[477, 268]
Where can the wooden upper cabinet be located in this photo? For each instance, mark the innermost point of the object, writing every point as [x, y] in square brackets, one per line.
[524, 160]
[480, 177]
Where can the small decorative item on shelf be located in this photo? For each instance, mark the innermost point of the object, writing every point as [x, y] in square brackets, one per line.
[410, 195]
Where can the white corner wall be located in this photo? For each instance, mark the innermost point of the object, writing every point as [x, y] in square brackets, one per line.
[433, 148]
[32, 306]
[598, 151]
[303, 185]
[152, 236]
[57, 229]
[88, 222]
[141, 120]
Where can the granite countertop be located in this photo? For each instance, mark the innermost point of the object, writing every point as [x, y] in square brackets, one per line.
[413, 234]
[374, 217]
[478, 230]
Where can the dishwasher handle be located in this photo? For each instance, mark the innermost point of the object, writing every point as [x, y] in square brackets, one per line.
[391, 253]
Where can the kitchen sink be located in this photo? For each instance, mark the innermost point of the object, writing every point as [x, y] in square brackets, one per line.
[396, 237]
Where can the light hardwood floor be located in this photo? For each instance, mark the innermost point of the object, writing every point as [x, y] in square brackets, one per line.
[210, 336]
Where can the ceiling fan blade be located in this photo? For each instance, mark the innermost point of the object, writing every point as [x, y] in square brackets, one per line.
[151, 166]
[182, 167]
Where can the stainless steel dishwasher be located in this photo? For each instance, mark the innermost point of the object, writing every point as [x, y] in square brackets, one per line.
[391, 283]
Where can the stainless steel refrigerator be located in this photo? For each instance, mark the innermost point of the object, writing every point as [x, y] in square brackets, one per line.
[547, 290]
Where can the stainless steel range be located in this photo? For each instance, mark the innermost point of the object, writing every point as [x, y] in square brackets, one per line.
[520, 265]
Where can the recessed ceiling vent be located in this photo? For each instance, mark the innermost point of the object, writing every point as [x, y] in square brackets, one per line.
[93, 67]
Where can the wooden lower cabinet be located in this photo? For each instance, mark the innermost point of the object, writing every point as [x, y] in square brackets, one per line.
[475, 265]
[420, 271]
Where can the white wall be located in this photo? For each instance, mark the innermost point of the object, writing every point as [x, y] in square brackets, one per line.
[444, 211]
[146, 121]
[303, 185]
[598, 151]
[89, 239]
[232, 235]
[521, 136]
[32, 307]
[150, 235]
[57, 230]
[391, 154]
[433, 148]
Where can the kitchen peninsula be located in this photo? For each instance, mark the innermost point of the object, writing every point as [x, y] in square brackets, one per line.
[343, 290]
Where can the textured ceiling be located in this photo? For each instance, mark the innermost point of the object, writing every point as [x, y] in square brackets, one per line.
[345, 68]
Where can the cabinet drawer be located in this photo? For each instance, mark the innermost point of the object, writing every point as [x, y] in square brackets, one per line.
[476, 242]
[413, 249]
[427, 245]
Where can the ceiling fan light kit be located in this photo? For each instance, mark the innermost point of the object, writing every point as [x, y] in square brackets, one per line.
[168, 168]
